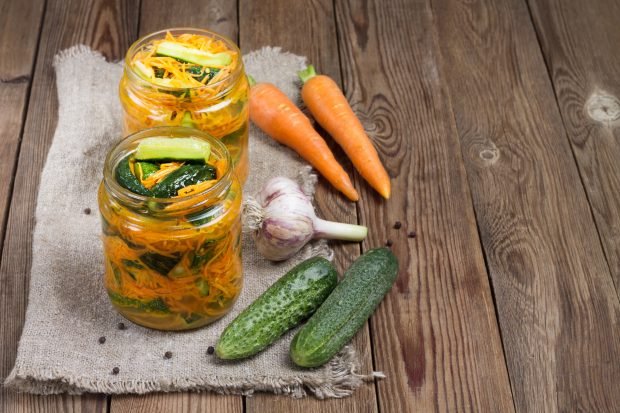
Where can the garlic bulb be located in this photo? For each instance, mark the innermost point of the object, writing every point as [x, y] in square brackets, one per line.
[283, 220]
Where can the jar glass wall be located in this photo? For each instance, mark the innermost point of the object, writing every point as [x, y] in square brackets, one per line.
[172, 263]
[217, 104]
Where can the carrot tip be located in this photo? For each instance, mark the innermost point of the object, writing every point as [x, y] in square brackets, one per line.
[352, 194]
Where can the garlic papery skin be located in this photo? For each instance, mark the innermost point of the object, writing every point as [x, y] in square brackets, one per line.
[284, 220]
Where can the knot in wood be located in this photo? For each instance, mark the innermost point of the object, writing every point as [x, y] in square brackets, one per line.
[489, 154]
[603, 108]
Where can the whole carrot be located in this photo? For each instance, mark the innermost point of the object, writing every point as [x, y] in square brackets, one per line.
[273, 112]
[331, 109]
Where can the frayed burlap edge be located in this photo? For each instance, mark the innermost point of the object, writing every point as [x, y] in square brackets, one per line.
[340, 380]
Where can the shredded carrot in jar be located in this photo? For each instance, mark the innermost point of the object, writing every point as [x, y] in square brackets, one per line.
[211, 97]
[176, 273]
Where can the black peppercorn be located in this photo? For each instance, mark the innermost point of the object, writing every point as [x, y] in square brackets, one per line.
[115, 370]
[87, 211]
[389, 243]
[210, 350]
[411, 234]
[397, 225]
[101, 340]
[168, 354]
[122, 326]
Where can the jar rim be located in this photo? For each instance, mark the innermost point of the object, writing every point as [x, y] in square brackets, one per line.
[123, 148]
[135, 46]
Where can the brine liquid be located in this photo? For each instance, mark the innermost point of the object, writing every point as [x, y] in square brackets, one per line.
[172, 278]
[220, 110]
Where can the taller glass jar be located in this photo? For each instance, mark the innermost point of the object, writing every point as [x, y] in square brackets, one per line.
[215, 100]
[172, 263]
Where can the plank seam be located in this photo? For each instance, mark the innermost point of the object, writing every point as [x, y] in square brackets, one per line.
[30, 79]
[357, 209]
[473, 205]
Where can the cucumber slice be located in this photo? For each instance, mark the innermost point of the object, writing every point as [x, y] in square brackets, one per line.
[184, 176]
[148, 74]
[128, 180]
[187, 120]
[178, 149]
[191, 55]
[145, 169]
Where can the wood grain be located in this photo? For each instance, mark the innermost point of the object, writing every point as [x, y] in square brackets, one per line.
[270, 24]
[557, 307]
[221, 17]
[176, 402]
[435, 335]
[107, 26]
[20, 24]
[580, 45]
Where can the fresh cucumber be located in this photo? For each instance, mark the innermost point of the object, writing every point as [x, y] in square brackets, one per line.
[281, 307]
[191, 55]
[181, 149]
[180, 178]
[128, 180]
[346, 310]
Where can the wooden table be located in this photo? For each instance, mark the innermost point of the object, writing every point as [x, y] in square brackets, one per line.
[499, 122]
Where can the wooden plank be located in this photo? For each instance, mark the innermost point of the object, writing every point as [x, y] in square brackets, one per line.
[108, 26]
[270, 24]
[435, 335]
[580, 45]
[20, 24]
[221, 17]
[557, 307]
[176, 402]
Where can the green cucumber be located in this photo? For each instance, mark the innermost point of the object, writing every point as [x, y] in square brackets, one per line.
[187, 121]
[152, 306]
[179, 149]
[281, 307]
[128, 180]
[180, 178]
[159, 263]
[346, 310]
[191, 55]
[145, 169]
[198, 74]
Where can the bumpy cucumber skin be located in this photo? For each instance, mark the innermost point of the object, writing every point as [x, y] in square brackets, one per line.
[346, 310]
[281, 307]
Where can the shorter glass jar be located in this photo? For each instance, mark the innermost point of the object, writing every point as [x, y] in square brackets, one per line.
[172, 263]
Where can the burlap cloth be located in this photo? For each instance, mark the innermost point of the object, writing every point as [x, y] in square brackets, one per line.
[68, 307]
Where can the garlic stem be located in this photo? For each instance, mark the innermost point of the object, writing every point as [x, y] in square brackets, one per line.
[338, 230]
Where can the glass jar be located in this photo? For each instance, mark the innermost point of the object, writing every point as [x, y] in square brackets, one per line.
[219, 107]
[172, 263]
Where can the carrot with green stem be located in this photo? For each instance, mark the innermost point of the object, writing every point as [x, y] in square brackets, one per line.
[332, 111]
[273, 112]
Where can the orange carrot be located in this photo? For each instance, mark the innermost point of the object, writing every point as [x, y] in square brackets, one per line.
[273, 112]
[331, 109]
